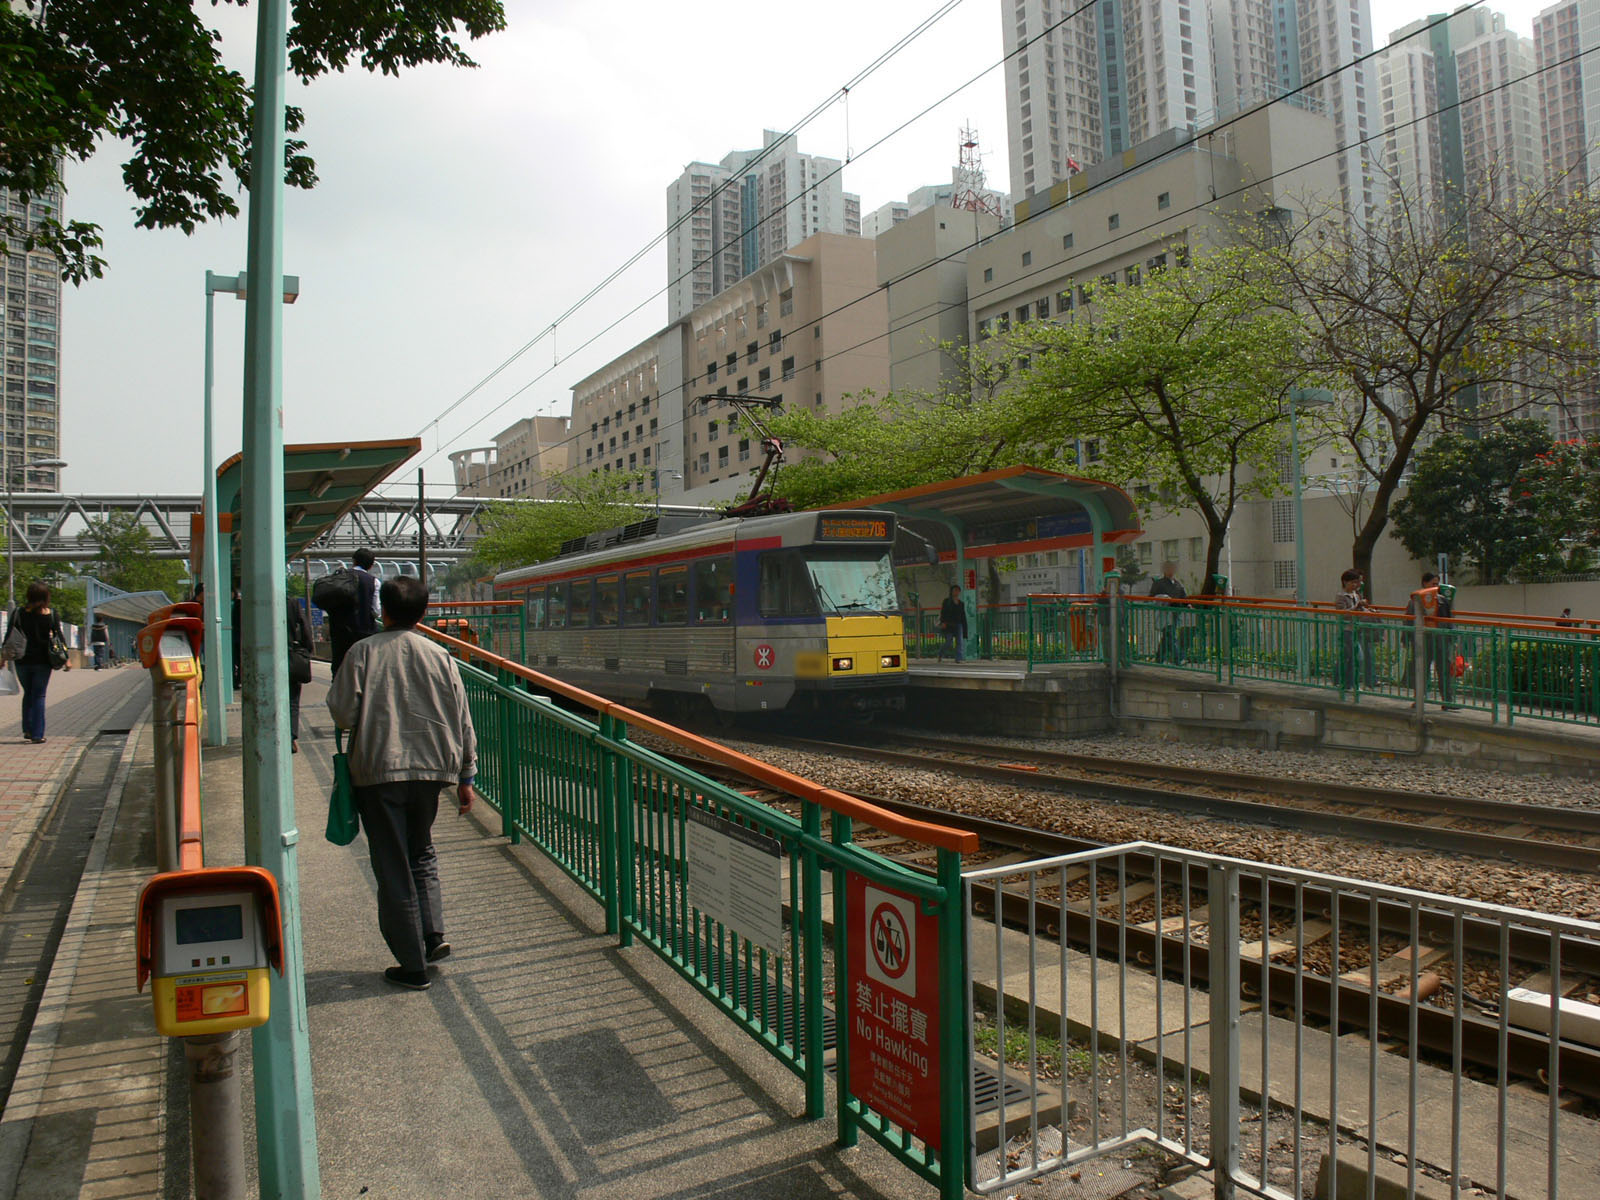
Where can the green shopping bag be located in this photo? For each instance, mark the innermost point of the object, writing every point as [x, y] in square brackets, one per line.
[343, 820]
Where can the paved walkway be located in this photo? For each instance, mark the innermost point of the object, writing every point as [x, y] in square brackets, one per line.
[78, 705]
[544, 1062]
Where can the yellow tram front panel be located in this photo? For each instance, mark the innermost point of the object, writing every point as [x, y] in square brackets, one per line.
[865, 646]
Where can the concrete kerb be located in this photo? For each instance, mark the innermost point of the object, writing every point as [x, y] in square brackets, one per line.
[33, 1072]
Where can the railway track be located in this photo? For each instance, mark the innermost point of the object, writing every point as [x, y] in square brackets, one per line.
[1158, 911]
[1558, 839]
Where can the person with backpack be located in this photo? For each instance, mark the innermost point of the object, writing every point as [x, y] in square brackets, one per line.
[300, 648]
[349, 599]
[44, 651]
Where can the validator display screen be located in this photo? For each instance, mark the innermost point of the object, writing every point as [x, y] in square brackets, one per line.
[222, 923]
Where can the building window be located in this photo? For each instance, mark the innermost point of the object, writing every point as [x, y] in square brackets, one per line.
[1027, 258]
[1282, 521]
[1164, 200]
[764, 379]
[1283, 579]
[751, 351]
[744, 384]
[788, 368]
[785, 303]
[711, 371]
[1169, 550]
[1066, 241]
[1114, 221]
[1197, 549]
[988, 274]
[1064, 301]
[711, 434]
[1147, 554]
[1131, 276]
[1041, 307]
[1022, 314]
[984, 327]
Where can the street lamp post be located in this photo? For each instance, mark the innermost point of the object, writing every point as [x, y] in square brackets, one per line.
[219, 649]
[11, 542]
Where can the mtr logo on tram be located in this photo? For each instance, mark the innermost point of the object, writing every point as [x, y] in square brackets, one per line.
[785, 613]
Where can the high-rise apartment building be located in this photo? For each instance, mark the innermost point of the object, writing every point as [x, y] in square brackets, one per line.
[729, 219]
[1500, 141]
[1563, 122]
[1409, 89]
[1083, 88]
[31, 367]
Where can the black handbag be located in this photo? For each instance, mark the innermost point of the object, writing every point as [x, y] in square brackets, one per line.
[299, 664]
[56, 649]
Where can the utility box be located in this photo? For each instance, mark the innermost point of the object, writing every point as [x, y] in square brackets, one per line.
[1302, 722]
[1224, 706]
[1188, 706]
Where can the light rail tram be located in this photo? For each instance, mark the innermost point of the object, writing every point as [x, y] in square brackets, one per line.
[795, 612]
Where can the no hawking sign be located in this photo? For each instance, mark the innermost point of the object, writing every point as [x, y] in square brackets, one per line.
[893, 1019]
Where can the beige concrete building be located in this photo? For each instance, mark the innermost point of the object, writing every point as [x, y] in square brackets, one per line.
[809, 328]
[518, 464]
[922, 266]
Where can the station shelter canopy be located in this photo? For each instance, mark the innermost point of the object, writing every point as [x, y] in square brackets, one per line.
[1014, 510]
[321, 483]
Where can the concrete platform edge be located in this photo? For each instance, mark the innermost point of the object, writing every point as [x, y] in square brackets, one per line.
[26, 829]
[33, 1072]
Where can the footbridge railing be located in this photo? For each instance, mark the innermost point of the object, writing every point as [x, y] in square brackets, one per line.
[748, 901]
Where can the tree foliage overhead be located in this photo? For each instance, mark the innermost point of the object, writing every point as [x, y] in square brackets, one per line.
[74, 72]
[1466, 500]
[523, 533]
[1461, 313]
[1179, 382]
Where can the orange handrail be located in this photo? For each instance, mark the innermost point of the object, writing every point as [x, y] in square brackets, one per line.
[942, 837]
[191, 849]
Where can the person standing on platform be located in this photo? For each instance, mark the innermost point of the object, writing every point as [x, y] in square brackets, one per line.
[346, 629]
[1437, 646]
[411, 737]
[39, 623]
[99, 642]
[1350, 601]
[953, 625]
[1167, 587]
[300, 648]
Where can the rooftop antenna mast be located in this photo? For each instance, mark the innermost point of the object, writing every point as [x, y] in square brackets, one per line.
[748, 408]
[970, 192]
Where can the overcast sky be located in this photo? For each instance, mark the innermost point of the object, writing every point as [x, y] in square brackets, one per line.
[460, 212]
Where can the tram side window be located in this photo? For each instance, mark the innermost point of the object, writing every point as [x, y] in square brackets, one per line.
[713, 591]
[606, 598]
[672, 595]
[636, 599]
[535, 605]
[557, 606]
[785, 586]
[578, 605]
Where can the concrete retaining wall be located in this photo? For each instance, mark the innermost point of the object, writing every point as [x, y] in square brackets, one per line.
[1074, 703]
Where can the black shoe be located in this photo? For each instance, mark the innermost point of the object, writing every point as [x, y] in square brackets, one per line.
[38, 741]
[417, 981]
[438, 950]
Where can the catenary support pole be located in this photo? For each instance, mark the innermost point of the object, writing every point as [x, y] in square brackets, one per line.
[286, 1134]
[422, 530]
[217, 667]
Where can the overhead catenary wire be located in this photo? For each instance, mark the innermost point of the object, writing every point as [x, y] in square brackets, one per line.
[821, 107]
[1056, 266]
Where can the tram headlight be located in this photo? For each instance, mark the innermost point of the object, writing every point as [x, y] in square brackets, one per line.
[889, 660]
[844, 664]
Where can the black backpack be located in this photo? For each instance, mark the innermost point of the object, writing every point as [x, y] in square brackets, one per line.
[338, 594]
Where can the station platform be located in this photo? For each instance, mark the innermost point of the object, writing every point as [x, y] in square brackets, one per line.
[544, 1060]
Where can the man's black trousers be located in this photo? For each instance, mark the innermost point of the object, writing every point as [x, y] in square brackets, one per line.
[398, 821]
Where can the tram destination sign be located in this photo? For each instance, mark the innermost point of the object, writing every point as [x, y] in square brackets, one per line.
[892, 1012]
[854, 529]
[736, 878]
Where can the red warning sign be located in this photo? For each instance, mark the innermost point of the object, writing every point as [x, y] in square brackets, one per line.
[892, 1008]
[765, 657]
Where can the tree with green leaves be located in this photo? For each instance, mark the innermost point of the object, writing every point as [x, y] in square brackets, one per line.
[74, 73]
[124, 560]
[1466, 500]
[1559, 490]
[521, 533]
[1429, 316]
[1179, 383]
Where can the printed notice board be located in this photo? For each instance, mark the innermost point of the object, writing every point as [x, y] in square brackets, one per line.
[893, 975]
[736, 877]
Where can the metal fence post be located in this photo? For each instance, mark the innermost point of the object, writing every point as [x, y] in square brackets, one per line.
[955, 1072]
[610, 851]
[1224, 640]
[811, 959]
[506, 760]
[849, 1131]
[1419, 662]
[1223, 890]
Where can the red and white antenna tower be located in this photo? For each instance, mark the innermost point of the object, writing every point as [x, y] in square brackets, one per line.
[970, 194]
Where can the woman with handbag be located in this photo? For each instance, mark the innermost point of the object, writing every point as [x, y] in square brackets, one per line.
[45, 651]
[299, 668]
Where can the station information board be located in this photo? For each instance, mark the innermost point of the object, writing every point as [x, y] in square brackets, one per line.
[736, 878]
[893, 1010]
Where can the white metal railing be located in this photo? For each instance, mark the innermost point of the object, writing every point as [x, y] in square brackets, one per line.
[1140, 1035]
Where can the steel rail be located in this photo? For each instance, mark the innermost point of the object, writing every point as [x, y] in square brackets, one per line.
[1558, 856]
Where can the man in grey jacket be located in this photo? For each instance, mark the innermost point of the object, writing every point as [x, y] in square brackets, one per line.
[411, 737]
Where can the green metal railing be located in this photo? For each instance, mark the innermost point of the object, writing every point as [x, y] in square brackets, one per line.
[616, 817]
[1503, 668]
[498, 626]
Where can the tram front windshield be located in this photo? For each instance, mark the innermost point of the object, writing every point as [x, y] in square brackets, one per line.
[853, 585]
